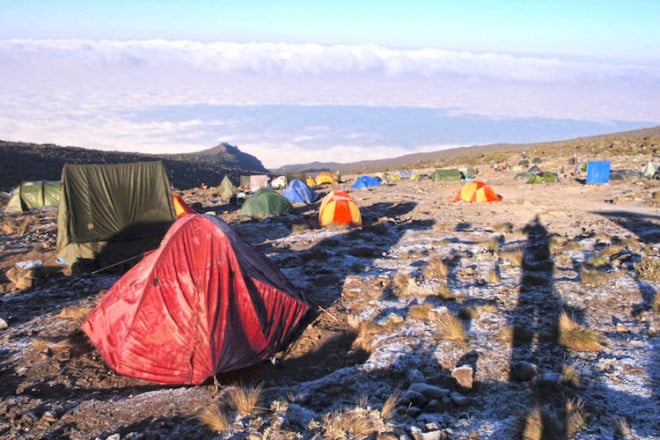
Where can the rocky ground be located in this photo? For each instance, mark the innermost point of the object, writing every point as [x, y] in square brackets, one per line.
[434, 320]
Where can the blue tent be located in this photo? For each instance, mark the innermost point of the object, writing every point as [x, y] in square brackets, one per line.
[365, 181]
[598, 171]
[298, 192]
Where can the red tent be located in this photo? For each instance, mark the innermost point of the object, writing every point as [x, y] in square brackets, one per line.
[204, 302]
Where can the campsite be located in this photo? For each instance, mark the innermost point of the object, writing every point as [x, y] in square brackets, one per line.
[439, 315]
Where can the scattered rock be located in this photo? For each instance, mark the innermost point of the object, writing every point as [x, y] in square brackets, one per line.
[459, 399]
[523, 371]
[3, 324]
[429, 391]
[464, 376]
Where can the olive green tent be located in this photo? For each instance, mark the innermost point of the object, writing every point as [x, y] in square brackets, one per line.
[651, 170]
[450, 175]
[34, 195]
[265, 202]
[110, 213]
[544, 177]
[227, 189]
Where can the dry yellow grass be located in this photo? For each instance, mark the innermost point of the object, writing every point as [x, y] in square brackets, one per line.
[39, 345]
[576, 417]
[649, 269]
[539, 424]
[436, 268]
[75, 313]
[597, 261]
[514, 257]
[214, 418]
[451, 328]
[493, 277]
[443, 291]
[622, 428]
[389, 406]
[571, 376]
[244, 399]
[503, 227]
[593, 278]
[359, 422]
[575, 337]
[420, 311]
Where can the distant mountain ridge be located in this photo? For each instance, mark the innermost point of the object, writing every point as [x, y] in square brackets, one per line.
[21, 161]
[421, 159]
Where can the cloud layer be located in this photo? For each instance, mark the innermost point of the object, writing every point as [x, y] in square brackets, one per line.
[99, 93]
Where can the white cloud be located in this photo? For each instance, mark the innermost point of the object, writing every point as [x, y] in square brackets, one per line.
[95, 93]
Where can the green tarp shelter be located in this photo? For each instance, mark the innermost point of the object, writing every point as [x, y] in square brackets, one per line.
[265, 202]
[227, 189]
[110, 213]
[450, 175]
[34, 195]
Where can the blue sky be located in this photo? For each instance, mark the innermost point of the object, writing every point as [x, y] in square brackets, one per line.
[133, 75]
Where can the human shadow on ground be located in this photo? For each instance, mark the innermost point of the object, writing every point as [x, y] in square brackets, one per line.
[535, 322]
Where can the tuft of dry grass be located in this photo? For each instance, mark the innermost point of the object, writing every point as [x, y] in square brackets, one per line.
[539, 424]
[648, 269]
[597, 261]
[436, 268]
[420, 311]
[571, 376]
[401, 283]
[621, 428]
[75, 313]
[389, 406]
[493, 245]
[452, 328]
[244, 399]
[611, 251]
[575, 337]
[443, 291]
[298, 228]
[493, 277]
[594, 278]
[503, 227]
[366, 332]
[514, 257]
[214, 418]
[576, 417]
[358, 422]
[39, 345]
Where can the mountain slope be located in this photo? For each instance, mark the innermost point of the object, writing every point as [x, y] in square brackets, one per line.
[21, 161]
[600, 143]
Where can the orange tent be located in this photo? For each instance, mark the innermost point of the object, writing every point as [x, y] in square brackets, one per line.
[477, 192]
[180, 207]
[325, 177]
[339, 208]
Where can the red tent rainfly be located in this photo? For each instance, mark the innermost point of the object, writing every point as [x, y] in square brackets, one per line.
[205, 302]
